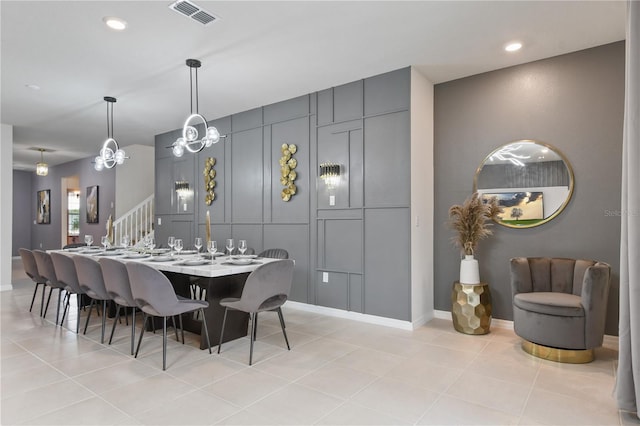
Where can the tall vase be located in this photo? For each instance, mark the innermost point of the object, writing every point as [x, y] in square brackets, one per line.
[469, 271]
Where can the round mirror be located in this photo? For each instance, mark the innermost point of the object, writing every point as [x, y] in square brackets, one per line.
[532, 181]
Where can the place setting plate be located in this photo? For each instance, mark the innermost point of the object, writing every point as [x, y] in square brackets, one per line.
[75, 249]
[110, 253]
[193, 262]
[241, 261]
[216, 254]
[137, 256]
[162, 259]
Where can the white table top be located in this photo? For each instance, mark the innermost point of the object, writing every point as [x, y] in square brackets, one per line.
[219, 268]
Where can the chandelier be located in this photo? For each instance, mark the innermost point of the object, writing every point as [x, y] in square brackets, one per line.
[190, 137]
[42, 168]
[110, 154]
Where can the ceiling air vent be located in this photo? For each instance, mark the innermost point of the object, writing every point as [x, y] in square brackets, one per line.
[190, 10]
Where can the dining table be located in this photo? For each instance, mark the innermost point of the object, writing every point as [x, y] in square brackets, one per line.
[194, 276]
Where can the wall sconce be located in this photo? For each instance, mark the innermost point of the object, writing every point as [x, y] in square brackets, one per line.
[183, 189]
[330, 174]
[42, 168]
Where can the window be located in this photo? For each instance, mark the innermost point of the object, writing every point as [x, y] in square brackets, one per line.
[73, 212]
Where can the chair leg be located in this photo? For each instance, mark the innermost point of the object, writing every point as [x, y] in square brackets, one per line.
[79, 301]
[133, 328]
[164, 343]
[104, 320]
[88, 316]
[144, 324]
[35, 290]
[206, 330]
[44, 290]
[58, 307]
[173, 321]
[65, 302]
[181, 328]
[224, 320]
[283, 327]
[115, 321]
[46, 308]
[252, 318]
[255, 326]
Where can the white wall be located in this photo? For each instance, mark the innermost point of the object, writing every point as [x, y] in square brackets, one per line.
[135, 178]
[422, 200]
[6, 201]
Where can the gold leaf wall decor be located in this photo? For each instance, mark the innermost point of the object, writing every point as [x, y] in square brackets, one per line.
[287, 173]
[209, 182]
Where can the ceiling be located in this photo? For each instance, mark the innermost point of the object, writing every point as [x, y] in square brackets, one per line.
[257, 53]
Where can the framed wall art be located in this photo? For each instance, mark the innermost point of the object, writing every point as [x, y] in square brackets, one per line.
[92, 204]
[43, 215]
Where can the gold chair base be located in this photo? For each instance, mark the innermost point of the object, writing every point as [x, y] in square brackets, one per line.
[568, 356]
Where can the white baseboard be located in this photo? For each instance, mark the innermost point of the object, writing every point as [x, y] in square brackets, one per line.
[495, 322]
[6, 287]
[371, 319]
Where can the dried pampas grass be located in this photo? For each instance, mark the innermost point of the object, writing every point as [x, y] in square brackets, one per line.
[470, 221]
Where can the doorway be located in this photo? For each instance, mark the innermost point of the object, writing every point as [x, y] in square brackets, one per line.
[70, 210]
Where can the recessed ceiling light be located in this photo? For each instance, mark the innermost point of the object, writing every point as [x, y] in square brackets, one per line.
[32, 86]
[115, 23]
[513, 47]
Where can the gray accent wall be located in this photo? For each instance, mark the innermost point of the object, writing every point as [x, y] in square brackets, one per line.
[574, 102]
[22, 200]
[48, 236]
[362, 242]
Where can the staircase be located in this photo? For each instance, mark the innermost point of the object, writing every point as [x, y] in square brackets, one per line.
[137, 223]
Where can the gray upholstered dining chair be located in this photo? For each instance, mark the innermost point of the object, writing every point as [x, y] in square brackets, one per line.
[275, 253]
[66, 272]
[154, 295]
[46, 270]
[31, 269]
[116, 281]
[266, 289]
[92, 283]
[559, 306]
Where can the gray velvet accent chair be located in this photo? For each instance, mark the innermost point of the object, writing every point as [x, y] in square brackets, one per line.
[31, 269]
[154, 295]
[116, 281]
[92, 283]
[47, 270]
[67, 275]
[560, 306]
[266, 289]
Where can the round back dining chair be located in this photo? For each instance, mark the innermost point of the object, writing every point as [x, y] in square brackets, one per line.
[46, 270]
[155, 296]
[116, 281]
[275, 253]
[266, 289]
[31, 269]
[92, 283]
[67, 275]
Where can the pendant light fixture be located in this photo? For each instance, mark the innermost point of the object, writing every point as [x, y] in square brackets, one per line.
[110, 154]
[190, 138]
[42, 168]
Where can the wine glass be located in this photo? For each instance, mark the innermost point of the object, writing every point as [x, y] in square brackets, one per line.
[230, 246]
[88, 240]
[150, 242]
[242, 246]
[178, 245]
[124, 241]
[212, 248]
[171, 242]
[198, 244]
[104, 240]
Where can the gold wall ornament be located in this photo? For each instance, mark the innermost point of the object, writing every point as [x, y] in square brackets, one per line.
[209, 182]
[287, 173]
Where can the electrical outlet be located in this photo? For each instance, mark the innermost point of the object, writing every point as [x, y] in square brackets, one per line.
[40, 245]
[184, 207]
[159, 221]
[325, 277]
[332, 200]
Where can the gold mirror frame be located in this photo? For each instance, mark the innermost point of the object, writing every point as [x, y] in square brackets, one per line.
[559, 209]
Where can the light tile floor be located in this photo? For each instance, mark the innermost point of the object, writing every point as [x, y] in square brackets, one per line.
[338, 372]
